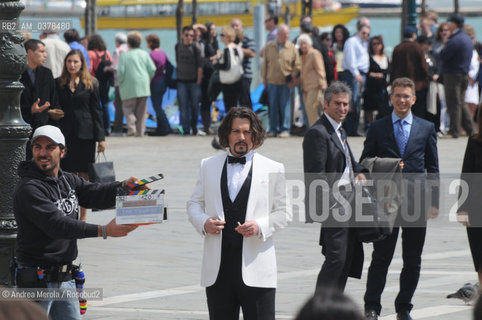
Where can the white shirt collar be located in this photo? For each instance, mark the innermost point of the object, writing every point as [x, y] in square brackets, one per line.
[334, 124]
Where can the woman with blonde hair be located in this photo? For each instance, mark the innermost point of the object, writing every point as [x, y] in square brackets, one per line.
[313, 78]
[230, 62]
[81, 125]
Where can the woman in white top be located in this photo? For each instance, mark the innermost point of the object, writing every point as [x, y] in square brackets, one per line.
[472, 93]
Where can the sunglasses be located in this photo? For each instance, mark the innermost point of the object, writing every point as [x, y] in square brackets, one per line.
[190, 35]
[376, 43]
[222, 35]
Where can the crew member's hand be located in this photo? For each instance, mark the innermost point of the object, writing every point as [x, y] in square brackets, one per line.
[359, 79]
[248, 229]
[101, 146]
[214, 226]
[360, 178]
[133, 179]
[432, 212]
[37, 109]
[118, 230]
[463, 218]
[56, 114]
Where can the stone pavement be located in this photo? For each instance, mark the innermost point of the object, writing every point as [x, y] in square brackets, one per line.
[154, 273]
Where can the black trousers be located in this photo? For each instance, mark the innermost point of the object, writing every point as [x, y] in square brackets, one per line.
[245, 98]
[205, 104]
[413, 240]
[231, 94]
[229, 293]
[338, 248]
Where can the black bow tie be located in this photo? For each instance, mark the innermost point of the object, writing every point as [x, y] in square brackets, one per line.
[241, 160]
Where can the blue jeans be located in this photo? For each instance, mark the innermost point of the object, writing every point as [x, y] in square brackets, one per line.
[303, 109]
[158, 89]
[189, 96]
[279, 108]
[62, 309]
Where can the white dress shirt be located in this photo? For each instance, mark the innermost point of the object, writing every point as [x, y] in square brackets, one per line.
[345, 177]
[355, 56]
[237, 174]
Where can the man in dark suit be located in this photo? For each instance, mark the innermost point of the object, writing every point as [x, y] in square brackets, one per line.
[414, 140]
[327, 156]
[38, 99]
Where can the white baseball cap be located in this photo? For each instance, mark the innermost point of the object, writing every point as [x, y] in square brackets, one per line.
[51, 132]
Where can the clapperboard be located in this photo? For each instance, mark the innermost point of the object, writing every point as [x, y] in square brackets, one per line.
[146, 181]
[141, 207]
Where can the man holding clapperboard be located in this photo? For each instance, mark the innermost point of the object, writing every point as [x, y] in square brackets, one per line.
[46, 208]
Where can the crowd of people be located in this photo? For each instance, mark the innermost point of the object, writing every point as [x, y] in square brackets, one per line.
[442, 59]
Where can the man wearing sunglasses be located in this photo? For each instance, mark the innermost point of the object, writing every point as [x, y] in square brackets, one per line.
[189, 76]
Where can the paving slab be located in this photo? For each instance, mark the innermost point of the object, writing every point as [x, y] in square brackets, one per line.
[154, 273]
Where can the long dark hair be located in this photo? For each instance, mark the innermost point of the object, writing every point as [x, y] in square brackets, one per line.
[258, 132]
[370, 46]
[208, 39]
[96, 42]
[346, 34]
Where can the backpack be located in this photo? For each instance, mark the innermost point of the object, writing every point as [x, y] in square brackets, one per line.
[170, 75]
[106, 77]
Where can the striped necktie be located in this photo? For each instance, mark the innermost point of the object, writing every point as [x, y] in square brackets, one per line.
[346, 150]
[401, 136]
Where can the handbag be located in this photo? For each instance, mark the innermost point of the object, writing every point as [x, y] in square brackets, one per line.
[101, 171]
[379, 227]
[234, 73]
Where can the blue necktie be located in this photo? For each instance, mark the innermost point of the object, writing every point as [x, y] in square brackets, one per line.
[401, 136]
[347, 154]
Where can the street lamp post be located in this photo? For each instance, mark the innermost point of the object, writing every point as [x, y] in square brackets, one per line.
[14, 132]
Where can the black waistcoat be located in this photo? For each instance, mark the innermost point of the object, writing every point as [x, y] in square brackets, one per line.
[234, 212]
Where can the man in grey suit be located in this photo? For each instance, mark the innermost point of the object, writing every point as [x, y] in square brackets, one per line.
[414, 140]
[327, 157]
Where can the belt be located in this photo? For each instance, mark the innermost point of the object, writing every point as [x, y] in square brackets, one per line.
[58, 273]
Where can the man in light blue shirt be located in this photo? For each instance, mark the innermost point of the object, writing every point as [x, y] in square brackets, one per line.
[72, 37]
[355, 63]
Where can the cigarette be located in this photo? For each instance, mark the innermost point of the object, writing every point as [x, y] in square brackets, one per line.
[239, 223]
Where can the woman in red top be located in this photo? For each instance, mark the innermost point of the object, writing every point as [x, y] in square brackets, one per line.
[97, 50]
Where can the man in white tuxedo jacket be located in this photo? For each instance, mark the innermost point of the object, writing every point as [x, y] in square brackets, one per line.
[238, 202]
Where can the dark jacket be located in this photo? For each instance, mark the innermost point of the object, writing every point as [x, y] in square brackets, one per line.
[471, 173]
[188, 60]
[44, 88]
[457, 53]
[82, 112]
[47, 213]
[408, 60]
[420, 155]
[324, 159]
